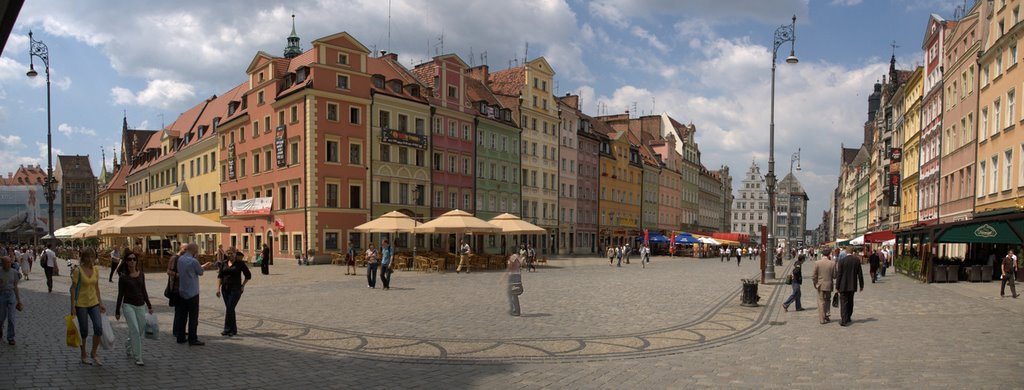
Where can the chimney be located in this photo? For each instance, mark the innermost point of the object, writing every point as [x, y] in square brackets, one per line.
[479, 72]
[392, 56]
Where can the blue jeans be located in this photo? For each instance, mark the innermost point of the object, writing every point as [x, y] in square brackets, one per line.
[371, 275]
[86, 314]
[8, 301]
[231, 298]
[385, 275]
[795, 297]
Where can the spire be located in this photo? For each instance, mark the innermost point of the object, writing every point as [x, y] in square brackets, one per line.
[103, 167]
[124, 123]
[293, 49]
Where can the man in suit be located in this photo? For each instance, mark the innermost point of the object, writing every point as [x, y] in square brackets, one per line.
[848, 276]
[824, 272]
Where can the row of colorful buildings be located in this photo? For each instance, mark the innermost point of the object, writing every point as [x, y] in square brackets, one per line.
[941, 161]
[315, 142]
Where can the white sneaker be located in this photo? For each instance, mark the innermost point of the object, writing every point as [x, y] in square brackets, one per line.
[139, 363]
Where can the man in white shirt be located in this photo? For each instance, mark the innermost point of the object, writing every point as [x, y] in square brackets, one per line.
[49, 266]
[464, 252]
[115, 262]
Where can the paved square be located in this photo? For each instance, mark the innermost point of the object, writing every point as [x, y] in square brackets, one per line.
[585, 324]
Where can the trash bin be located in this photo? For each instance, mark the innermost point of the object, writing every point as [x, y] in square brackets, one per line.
[749, 297]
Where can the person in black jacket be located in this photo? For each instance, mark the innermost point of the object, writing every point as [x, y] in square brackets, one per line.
[231, 285]
[798, 279]
[848, 276]
[265, 262]
[874, 262]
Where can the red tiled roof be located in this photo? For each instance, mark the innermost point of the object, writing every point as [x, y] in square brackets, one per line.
[116, 182]
[28, 175]
[392, 70]
[425, 73]
[508, 82]
[301, 60]
[216, 107]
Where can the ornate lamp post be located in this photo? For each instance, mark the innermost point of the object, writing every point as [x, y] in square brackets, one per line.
[39, 49]
[783, 34]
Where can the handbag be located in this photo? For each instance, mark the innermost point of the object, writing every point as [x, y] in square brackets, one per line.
[259, 259]
[789, 279]
[152, 327]
[517, 288]
[835, 299]
[74, 339]
[107, 340]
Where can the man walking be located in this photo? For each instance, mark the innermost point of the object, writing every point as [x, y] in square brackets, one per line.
[824, 272]
[49, 266]
[187, 310]
[115, 261]
[1009, 274]
[464, 252]
[848, 276]
[873, 262]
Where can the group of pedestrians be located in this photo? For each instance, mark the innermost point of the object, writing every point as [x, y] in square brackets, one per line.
[379, 259]
[839, 271]
[619, 252]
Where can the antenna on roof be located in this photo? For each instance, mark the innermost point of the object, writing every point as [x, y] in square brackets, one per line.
[483, 58]
[440, 44]
[471, 57]
[526, 53]
[161, 120]
[654, 105]
[389, 25]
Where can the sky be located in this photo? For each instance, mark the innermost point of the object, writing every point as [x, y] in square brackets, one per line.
[706, 62]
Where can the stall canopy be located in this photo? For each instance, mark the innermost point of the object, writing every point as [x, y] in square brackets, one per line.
[989, 232]
[859, 240]
[880, 236]
[656, 238]
[685, 239]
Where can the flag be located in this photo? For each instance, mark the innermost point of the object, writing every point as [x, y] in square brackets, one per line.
[279, 224]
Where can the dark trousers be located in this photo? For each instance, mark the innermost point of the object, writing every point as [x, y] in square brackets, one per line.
[371, 275]
[186, 311]
[231, 298]
[113, 267]
[49, 277]
[385, 276]
[738, 260]
[1009, 278]
[845, 306]
[265, 267]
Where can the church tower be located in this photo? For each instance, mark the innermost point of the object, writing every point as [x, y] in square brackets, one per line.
[293, 49]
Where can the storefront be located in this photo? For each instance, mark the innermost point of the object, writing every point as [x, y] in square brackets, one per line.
[988, 237]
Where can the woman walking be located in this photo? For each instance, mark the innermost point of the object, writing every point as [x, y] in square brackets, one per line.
[87, 303]
[611, 255]
[797, 280]
[10, 297]
[515, 283]
[350, 260]
[230, 286]
[265, 260]
[131, 296]
[371, 267]
[385, 264]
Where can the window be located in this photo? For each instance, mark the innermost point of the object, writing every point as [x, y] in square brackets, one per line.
[419, 158]
[403, 155]
[984, 124]
[281, 204]
[420, 194]
[342, 59]
[403, 123]
[437, 161]
[403, 193]
[385, 192]
[385, 153]
[342, 81]
[295, 196]
[452, 167]
[297, 241]
[1011, 98]
[1013, 54]
[295, 113]
[465, 166]
[355, 196]
[452, 198]
[355, 153]
[994, 171]
[266, 160]
[331, 241]
[259, 97]
[465, 202]
[419, 125]
[255, 162]
[332, 151]
[452, 131]
[1008, 171]
[384, 120]
[996, 112]
[452, 91]
[332, 112]
[294, 150]
[353, 115]
[255, 129]
[241, 167]
[332, 195]
[437, 198]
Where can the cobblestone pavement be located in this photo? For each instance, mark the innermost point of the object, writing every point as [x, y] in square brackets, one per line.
[585, 324]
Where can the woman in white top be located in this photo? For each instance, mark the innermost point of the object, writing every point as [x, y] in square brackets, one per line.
[515, 282]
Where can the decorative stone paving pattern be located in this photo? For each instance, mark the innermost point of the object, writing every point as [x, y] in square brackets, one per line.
[723, 323]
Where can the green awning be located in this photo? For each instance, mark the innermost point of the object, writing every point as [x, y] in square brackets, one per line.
[991, 232]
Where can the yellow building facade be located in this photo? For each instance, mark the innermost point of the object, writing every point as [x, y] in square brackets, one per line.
[620, 195]
[910, 129]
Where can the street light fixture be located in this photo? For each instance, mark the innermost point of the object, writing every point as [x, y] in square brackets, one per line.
[783, 34]
[39, 49]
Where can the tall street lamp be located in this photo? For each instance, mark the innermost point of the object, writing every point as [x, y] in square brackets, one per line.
[783, 34]
[39, 49]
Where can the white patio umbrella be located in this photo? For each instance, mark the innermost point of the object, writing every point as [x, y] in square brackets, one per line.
[67, 232]
[391, 222]
[94, 229]
[163, 219]
[459, 222]
[857, 241]
[512, 224]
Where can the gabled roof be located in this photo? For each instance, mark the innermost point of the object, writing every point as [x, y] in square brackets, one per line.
[849, 154]
[793, 185]
[388, 67]
[216, 107]
[75, 166]
[181, 188]
[343, 35]
[508, 82]
[116, 182]
[25, 175]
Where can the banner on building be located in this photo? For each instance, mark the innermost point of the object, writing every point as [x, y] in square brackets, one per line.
[231, 161]
[254, 206]
[23, 210]
[895, 155]
[392, 136]
[894, 189]
[279, 146]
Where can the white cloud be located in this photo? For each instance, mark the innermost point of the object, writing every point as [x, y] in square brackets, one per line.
[846, 3]
[143, 125]
[69, 130]
[10, 141]
[158, 94]
[715, 11]
[649, 37]
[818, 106]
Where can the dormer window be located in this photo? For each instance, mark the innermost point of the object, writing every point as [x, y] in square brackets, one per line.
[232, 107]
[202, 130]
[342, 59]
[216, 123]
[395, 86]
[301, 73]
[378, 81]
[414, 90]
[261, 77]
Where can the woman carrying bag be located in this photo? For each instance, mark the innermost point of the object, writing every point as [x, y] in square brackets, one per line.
[87, 303]
[131, 296]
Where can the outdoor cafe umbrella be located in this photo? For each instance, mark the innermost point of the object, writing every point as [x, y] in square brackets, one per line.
[164, 219]
[66, 232]
[512, 224]
[107, 229]
[94, 229]
[459, 222]
[391, 222]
